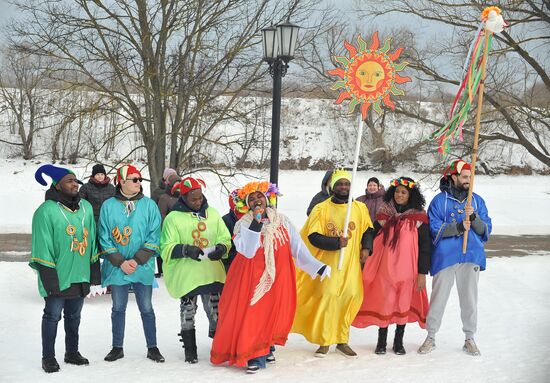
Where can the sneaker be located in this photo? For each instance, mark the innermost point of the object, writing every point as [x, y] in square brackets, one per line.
[154, 354]
[75, 358]
[252, 369]
[322, 351]
[50, 365]
[428, 346]
[346, 350]
[115, 354]
[470, 348]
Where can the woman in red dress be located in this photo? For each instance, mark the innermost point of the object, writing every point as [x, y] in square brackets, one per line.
[258, 302]
[394, 276]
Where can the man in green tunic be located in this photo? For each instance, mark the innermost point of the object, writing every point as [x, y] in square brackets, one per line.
[64, 254]
[194, 239]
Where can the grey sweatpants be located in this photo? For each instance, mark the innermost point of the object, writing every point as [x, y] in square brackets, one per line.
[467, 278]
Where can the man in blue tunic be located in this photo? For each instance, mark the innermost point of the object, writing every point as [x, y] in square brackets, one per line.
[447, 213]
[129, 233]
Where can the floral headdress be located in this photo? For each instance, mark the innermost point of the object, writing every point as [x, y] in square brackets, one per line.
[271, 192]
[404, 182]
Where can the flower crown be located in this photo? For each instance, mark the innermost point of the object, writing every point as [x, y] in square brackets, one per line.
[268, 189]
[404, 182]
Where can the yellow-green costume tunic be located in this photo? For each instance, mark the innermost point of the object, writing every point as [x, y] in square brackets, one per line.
[326, 309]
[183, 275]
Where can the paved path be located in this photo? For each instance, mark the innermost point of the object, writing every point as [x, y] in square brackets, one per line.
[16, 247]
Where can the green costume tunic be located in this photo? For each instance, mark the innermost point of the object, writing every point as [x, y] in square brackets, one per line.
[55, 245]
[183, 275]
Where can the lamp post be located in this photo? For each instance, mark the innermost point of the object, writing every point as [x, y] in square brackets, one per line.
[279, 44]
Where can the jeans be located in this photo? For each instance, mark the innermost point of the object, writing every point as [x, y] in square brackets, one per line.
[143, 293]
[52, 315]
[261, 360]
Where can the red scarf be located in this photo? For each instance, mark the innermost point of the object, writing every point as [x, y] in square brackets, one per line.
[388, 216]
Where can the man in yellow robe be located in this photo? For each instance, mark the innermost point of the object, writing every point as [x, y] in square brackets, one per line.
[326, 309]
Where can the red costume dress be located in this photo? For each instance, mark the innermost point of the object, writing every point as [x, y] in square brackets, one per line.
[390, 273]
[258, 302]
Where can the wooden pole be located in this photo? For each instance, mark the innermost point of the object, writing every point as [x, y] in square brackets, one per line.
[476, 131]
[350, 200]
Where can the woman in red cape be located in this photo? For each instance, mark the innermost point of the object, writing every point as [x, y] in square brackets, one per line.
[258, 302]
[394, 276]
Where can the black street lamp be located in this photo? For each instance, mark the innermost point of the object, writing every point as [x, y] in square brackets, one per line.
[279, 44]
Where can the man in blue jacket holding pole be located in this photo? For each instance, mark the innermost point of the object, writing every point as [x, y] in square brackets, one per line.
[447, 213]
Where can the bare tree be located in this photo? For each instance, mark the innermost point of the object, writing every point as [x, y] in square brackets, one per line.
[22, 79]
[518, 84]
[174, 68]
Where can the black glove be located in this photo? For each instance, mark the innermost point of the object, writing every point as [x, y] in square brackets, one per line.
[472, 217]
[218, 253]
[193, 252]
[460, 227]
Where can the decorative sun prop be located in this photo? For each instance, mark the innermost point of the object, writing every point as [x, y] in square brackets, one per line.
[369, 76]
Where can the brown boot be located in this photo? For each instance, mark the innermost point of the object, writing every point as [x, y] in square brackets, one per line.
[346, 350]
[322, 351]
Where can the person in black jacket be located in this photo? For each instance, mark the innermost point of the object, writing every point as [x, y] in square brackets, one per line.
[98, 189]
[324, 194]
[394, 276]
[230, 219]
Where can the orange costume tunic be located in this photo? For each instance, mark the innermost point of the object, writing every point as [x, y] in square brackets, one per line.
[256, 309]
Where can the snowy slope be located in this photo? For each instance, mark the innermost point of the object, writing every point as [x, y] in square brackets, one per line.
[513, 201]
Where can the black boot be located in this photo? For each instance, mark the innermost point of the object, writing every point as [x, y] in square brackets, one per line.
[190, 345]
[382, 341]
[75, 358]
[398, 340]
[154, 354]
[50, 365]
[115, 354]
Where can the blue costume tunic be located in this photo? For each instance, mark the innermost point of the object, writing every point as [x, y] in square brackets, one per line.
[126, 234]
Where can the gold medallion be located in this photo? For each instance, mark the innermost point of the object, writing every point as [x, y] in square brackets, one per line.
[71, 230]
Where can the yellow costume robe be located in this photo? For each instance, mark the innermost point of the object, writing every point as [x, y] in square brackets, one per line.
[326, 309]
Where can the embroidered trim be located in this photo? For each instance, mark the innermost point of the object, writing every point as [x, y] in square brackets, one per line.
[43, 261]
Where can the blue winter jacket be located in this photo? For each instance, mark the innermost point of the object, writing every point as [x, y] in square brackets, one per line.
[445, 210]
[126, 234]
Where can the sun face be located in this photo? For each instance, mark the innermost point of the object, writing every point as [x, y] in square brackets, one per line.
[369, 75]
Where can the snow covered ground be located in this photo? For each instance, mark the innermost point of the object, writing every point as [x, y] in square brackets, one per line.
[513, 336]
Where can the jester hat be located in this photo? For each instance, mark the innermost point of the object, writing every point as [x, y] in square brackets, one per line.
[190, 183]
[124, 171]
[56, 173]
[456, 167]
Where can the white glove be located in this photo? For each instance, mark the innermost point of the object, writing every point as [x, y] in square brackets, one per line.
[96, 290]
[326, 273]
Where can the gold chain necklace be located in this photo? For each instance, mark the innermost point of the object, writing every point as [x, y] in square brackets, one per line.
[76, 245]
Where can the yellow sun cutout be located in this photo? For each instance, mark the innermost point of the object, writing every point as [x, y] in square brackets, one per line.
[369, 76]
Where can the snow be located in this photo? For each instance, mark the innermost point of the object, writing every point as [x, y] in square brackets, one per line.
[513, 201]
[513, 336]
[513, 333]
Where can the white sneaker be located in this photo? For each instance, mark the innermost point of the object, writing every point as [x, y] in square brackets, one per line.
[428, 346]
[470, 348]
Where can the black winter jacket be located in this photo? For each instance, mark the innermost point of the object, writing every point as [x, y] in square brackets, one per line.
[96, 194]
